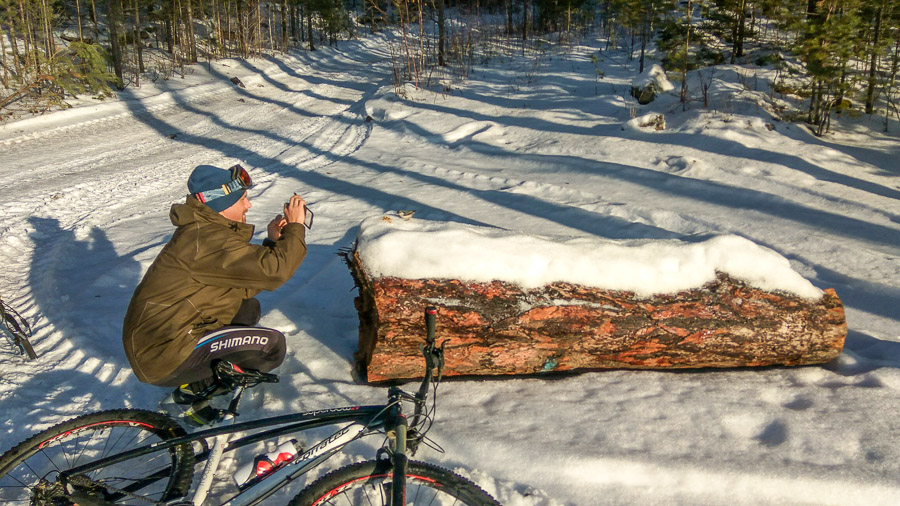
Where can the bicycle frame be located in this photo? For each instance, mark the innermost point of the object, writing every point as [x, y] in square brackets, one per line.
[359, 421]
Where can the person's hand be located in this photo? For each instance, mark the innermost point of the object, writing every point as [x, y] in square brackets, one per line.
[295, 210]
[275, 226]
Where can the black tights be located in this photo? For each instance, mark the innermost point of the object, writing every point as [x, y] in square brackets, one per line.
[240, 343]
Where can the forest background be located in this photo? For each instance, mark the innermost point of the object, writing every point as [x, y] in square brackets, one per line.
[842, 55]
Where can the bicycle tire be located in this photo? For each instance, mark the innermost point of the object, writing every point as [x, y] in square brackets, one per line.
[29, 470]
[366, 483]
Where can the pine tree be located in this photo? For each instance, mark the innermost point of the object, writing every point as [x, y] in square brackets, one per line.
[883, 18]
[829, 37]
[728, 20]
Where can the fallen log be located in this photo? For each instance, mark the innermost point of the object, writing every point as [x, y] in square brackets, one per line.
[502, 328]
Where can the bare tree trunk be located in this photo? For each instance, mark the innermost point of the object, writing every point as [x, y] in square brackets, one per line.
[239, 19]
[285, 12]
[220, 36]
[524, 20]
[258, 26]
[94, 20]
[421, 58]
[229, 26]
[295, 30]
[78, 19]
[13, 38]
[873, 65]
[27, 40]
[114, 16]
[47, 19]
[191, 40]
[631, 49]
[5, 78]
[138, 43]
[442, 35]
[895, 66]
[742, 20]
[645, 29]
[271, 23]
[687, 51]
[509, 17]
[176, 38]
[309, 29]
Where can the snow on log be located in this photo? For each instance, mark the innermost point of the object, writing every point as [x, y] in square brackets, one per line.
[512, 304]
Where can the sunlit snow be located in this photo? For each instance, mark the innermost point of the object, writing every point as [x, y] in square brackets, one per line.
[534, 168]
[415, 249]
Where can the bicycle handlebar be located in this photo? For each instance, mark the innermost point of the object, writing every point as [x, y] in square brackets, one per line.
[434, 359]
[430, 318]
[434, 355]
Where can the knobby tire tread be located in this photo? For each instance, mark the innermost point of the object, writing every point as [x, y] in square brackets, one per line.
[452, 484]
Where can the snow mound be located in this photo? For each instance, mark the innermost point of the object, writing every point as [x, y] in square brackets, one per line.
[656, 76]
[689, 167]
[390, 246]
[646, 122]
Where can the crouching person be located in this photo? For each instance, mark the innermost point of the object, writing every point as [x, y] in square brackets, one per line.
[196, 306]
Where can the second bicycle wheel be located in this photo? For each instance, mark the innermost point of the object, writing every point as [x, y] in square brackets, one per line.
[369, 483]
[29, 472]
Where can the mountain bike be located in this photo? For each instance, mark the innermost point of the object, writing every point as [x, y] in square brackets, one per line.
[130, 456]
[16, 330]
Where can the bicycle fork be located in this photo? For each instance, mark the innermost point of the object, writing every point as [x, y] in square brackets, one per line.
[397, 438]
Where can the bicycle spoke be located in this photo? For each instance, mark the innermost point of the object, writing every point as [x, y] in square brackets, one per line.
[29, 472]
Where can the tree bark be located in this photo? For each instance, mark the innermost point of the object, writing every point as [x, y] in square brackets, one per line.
[191, 40]
[5, 78]
[113, 14]
[284, 25]
[138, 44]
[873, 65]
[441, 31]
[499, 328]
[78, 20]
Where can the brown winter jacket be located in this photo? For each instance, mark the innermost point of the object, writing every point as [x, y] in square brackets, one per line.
[197, 283]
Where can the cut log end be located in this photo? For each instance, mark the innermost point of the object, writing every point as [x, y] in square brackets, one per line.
[500, 328]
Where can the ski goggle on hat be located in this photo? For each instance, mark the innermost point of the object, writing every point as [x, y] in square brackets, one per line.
[240, 180]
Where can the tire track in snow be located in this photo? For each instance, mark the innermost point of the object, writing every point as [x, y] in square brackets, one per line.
[103, 114]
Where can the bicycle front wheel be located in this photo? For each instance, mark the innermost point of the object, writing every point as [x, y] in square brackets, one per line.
[29, 472]
[369, 483]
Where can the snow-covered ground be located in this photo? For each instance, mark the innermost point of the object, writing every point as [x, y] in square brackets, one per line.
[537, 146]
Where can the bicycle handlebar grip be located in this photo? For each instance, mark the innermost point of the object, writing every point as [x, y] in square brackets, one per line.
[430, 317]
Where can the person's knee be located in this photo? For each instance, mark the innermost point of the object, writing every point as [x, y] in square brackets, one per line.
[278, 348]
[268, 356]
[248, 314]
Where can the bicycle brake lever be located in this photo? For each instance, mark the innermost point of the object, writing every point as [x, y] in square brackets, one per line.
[438, 353]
